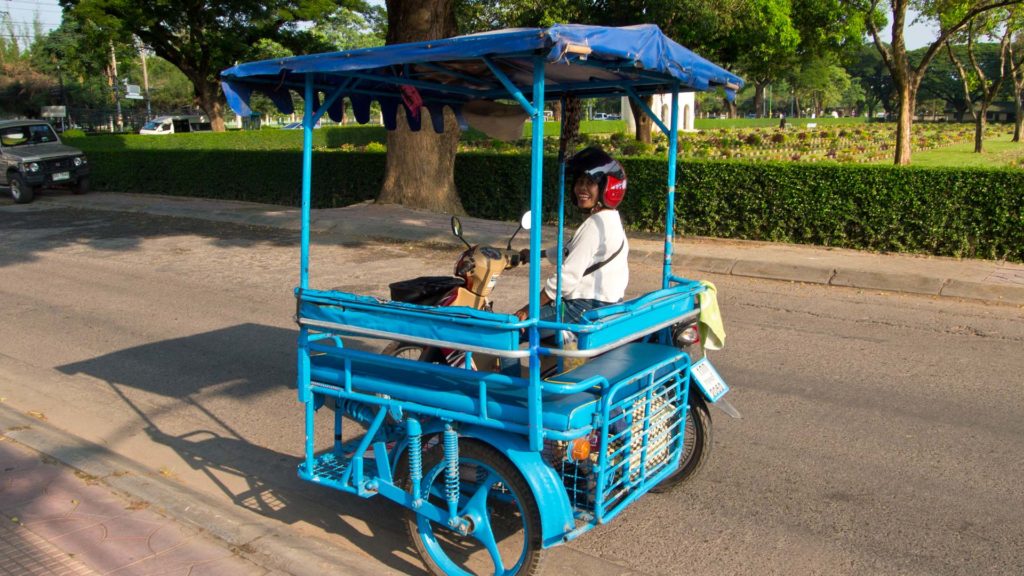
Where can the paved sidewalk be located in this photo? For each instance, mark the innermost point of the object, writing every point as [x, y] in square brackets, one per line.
[57, 521]
[987, 280]
[75, 509]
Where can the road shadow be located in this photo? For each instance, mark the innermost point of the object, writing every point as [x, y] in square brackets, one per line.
[26, 231]
[254, 365]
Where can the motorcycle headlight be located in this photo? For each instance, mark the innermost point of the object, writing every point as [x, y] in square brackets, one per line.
[77, 161]
[32, 167]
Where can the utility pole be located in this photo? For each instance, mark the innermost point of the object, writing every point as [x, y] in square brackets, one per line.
[63, 98]
[117, 86]
[145, 79]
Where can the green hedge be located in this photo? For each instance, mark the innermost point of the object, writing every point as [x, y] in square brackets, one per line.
[952, 212]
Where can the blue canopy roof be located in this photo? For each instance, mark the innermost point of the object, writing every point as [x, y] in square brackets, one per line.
[585, 61]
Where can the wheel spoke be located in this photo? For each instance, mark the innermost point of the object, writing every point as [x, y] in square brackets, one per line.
[485, 535]
[501, 531]
[477, 503]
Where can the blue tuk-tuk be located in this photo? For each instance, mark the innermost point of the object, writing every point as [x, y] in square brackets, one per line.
[494, 468]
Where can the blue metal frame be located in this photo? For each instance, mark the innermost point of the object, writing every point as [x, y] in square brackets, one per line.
[368, 466]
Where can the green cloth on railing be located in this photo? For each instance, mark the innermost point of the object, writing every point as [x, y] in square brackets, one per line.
[712, 330]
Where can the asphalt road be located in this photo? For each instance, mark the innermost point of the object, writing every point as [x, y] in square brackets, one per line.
[882, 433]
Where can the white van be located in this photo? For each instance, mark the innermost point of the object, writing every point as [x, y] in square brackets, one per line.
[176, 125]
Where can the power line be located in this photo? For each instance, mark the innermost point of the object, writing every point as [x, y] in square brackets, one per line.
[27, 23]
[26, 6]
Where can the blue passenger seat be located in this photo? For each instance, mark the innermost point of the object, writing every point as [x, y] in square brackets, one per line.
[457, 389]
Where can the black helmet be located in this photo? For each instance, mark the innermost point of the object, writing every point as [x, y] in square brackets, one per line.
[605, 170]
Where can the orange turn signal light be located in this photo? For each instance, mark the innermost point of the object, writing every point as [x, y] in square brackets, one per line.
[580, 449]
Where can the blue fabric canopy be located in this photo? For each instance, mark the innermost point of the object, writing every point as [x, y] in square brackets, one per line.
[585, 61]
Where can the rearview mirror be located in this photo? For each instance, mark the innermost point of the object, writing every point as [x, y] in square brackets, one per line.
[457, 230]
[527, 220]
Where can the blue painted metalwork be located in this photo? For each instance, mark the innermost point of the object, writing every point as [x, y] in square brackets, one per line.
[548, 489]
[451, 474]
[415, 451]
[629, 402]
[514, 91]
[670, 201]
[536, 195]
[307, 178]
[560, 241]
[647, 110]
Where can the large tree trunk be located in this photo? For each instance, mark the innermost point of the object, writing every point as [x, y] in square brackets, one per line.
[420, 168]
[642, 121]
[979, 128]
[905, 121]
[209, 98]
[759, 98]
[1019, 107]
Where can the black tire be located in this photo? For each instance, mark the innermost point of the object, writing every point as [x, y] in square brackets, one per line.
[21, 192]
[696, 444]
[511, 513]
[82, 186]
[404, 350]
[695, 351]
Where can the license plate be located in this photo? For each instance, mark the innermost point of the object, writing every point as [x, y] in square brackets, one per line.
[57, 176]
[708, 379]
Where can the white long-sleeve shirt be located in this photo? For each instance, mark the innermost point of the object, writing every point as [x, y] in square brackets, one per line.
[595, 240]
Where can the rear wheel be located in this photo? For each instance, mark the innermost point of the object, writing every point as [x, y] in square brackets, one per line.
[696, 444]
[20, 191]
[503, 521]
[404, 350]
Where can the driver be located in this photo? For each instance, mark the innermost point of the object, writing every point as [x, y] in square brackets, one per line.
[594, 271]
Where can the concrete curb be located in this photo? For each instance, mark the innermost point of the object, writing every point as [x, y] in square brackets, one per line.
[943, 277]
[250, 536]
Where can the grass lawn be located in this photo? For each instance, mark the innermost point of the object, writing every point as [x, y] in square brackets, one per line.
[999, 152]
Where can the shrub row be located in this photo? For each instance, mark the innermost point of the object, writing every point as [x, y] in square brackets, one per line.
[952, 212]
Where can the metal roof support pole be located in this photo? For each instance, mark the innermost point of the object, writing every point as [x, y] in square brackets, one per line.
[535, 398]
[304, 362]
[330, 100]
[307, 177]
[559, 247]
[670, 208]
[514, 91]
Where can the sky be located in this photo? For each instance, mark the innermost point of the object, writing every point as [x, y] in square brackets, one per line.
[24, 12]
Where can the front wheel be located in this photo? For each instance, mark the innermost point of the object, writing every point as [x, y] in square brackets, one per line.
[499, 510]
[82, 186]
[20, 191]
[696, 444]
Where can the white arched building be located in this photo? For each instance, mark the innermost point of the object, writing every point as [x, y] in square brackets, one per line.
[662, 106]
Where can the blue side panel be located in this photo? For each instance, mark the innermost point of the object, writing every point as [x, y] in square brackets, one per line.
[556, 514]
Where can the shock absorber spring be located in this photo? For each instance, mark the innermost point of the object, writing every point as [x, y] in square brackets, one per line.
[358, 411]
[451, 474]
[415, 459]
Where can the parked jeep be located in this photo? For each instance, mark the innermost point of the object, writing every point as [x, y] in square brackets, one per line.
[32, 156]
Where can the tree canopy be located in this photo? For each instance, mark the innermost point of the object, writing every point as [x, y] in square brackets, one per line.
[201, 38]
